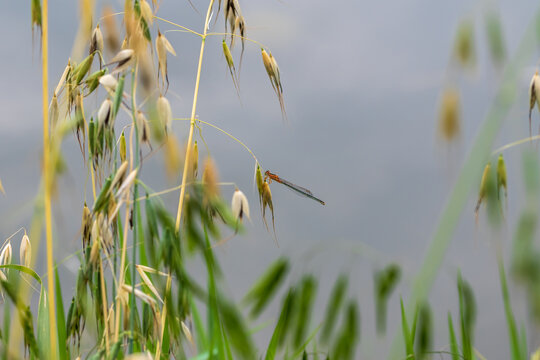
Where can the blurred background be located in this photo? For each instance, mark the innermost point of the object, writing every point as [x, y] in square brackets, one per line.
[362, 84]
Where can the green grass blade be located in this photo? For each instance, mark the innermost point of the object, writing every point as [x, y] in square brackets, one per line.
[513, 333]
[267, 285]
[308, 289]
[23, 269]
[405, 331]
[280, 326]
[332, 309]
[43, 330]
[60, 319]
[302, 349]
[454, 348]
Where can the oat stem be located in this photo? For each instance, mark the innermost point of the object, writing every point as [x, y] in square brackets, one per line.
[186, 167]
[47, 177]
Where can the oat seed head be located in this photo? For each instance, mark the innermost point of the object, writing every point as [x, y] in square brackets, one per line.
[105, 114]
[25, 251]
[449, 115]
[96, 41]
[164, 113]
[239, 205]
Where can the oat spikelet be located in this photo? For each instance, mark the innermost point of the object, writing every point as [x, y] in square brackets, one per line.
[483, 188]
[259, 182]
[109, 82]
[195, 160]
[449, 115]
[164, 113]
[105, 114]
[146, 12]
[210, 179]
[267, 201]
[272, 70]
[142, 127]
[239, 205]
[122, 147]
[96, 41]
[173, 158]
[230, 65]
[53, 112]
[25, 251]
[122, 60]
[162, 47]
[86, 226]
[5, 255]
[501, 176]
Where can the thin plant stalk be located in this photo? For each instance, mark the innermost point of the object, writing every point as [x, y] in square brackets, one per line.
[47, 177]
[186, 167]
[469, 175]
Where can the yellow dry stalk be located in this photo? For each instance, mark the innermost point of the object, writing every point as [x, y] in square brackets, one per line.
[449, 115]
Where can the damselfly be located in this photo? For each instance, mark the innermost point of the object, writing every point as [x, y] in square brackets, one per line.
[300, 190]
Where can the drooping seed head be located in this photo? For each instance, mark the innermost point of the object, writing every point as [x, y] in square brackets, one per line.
[86, 224]
[267, 62]
[25, 251]
[105, 113]
[210, 179]
[120, 174]
[5, 254]
[227, 53]
[449, 115]
[109, 82]
[82, 69]
[239, 205]
[142, 127]
[259, 182]
[95, 252]
[162, 47]
[146, 12]
[123, 60]
[464, 44]
[96, 40]
[164, 113]
[92, 81]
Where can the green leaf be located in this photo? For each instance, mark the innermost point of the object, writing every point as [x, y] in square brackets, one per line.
[267, 285]
[23, 269]
[43, 327]
[515, 350]
[454, 348]
[280, 328]
[333, 307]
[308, 288]
[406, 335]
[60, 318]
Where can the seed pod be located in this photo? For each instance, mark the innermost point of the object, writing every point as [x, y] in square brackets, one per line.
[105, 114]
[126, 185]
[501, 175]
[146, 12]
[53, 112]
[95, 252]
[122, 60]
[162, 46]
[25, 251]
[164, 113]
[109, 83]
[92, 81]
[142, 127]
[239, 205]
[63, 78]
[96, 41]
[449, 115]
[122, 147]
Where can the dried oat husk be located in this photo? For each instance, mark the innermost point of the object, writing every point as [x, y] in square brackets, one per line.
[501, 176]
[25, 251]
[142, 127]
[210, 179]
[162, 47]
[86, 224]
[272, 69]
[173, 159]
[54, 112]
[239, 205]
[123, 60]
[534, 91]
[164, 113]
[96, 41]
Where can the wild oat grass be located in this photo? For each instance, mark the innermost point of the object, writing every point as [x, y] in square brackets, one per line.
[146, 304]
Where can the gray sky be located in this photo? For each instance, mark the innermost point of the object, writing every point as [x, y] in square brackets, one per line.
[361, 82]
